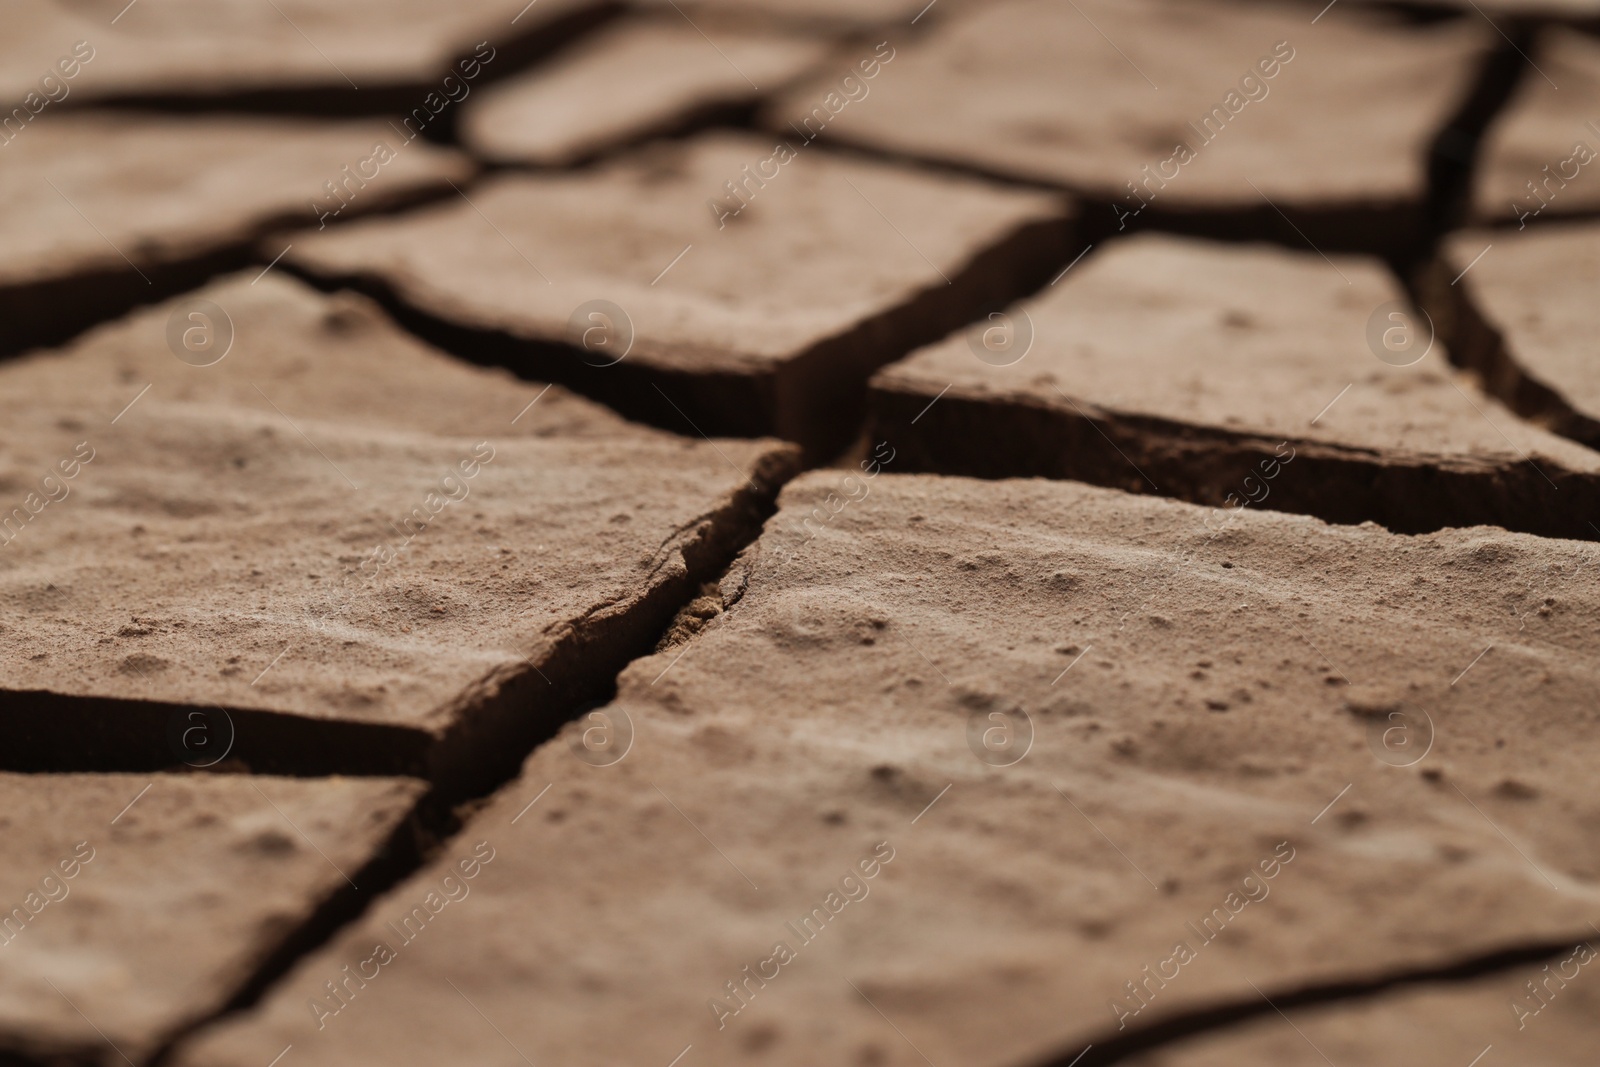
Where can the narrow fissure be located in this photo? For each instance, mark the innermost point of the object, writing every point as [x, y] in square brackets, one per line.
[1113, 1047]
[513, 56]
[1454, 155]
[816, 399]
[488, 751]
[56, 311]
[1404, 493]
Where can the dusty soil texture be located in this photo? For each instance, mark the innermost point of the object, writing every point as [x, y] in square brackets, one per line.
[588, 99]
[650, 284]
[356, 55]
[1541, 158]
[1519, 317]
[1541, 1014]
[1188, 114]
[374, 558]
[1017, 725]
[1234, 375]
[135, 907]
[110, 210]
[877, 533]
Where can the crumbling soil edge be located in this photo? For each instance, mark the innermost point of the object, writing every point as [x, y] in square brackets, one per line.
[1402, 232]
[416, 839]
[816, 399]
[1471, 341]
[335, 98]
[396, 856]
[53, 311]
[489, 748]
[1113, 1047]
[1475, 344]
[1204, 465]
[55, 733]
[496, 721]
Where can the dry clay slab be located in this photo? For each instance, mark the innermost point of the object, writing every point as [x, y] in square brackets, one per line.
[1158, 110]
[111, 210]
[354, 56]
[1541, 157]
[348, 548]
[1234, 375]
[639, 78]
[135, 906]
[1521, 315]
[723, 285]
[961, 765]
[1537, 1014]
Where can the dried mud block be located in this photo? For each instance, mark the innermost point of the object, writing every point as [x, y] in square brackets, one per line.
[1519, 313]
[719, 285]
[112, 210]
[357, 56]
[1206, 116]
[372, 558]
[978, 756]
[136, 906]
[1235, 376]
[1541, 157]
[640, 78]
[1541, 1013]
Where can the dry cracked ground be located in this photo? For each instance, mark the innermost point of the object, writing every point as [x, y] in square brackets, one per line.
[977, 533]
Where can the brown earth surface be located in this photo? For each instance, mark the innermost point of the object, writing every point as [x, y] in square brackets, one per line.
[865, 532]
[1551, 1024]
[278, 537]
[1234, 375]
[1520, 312]
[172, 50]
[1077, 721]
[106, 210]
[147, 902]
[588, 101]
[1542, 153]
[1290, 127]
[761, 318]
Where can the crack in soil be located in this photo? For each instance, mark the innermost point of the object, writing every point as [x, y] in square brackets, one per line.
[487, 749]
[1113, 1047]
[1404, 493]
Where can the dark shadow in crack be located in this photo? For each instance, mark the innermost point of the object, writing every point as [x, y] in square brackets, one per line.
[1112, 1047]
[817, 398]
[336, 99]
[52, 311]
[996, 437]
